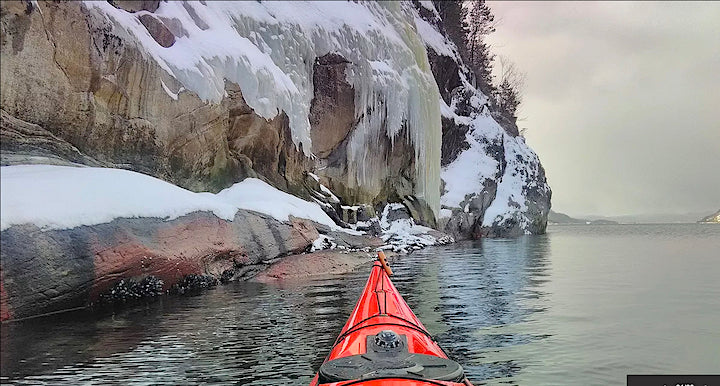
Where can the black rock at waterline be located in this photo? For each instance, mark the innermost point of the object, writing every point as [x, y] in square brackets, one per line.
[128, 291]
[193, 284]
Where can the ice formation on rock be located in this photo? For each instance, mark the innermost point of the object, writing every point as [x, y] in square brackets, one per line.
[269, 49]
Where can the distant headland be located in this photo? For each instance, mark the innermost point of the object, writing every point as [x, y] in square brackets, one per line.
[556, 218]
[713, 218]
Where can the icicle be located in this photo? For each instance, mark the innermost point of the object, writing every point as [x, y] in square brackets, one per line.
[268, 49]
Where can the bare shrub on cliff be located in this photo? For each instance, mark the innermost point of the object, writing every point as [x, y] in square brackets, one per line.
[511, 85]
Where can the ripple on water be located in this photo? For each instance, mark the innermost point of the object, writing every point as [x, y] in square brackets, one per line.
[566, 308]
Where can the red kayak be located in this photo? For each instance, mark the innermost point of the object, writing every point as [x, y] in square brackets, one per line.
[384, 343]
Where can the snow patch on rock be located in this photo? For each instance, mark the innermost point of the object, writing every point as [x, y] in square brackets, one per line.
[257, 195]
[466, 174]
[403, 235]
[323, 242]
[63, 197]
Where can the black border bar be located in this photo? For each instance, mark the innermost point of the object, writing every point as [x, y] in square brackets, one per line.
[673, 380]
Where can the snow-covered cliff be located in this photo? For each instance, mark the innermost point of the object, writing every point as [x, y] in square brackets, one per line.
[205, 94]
[269, 50]
[493, 182]
[363, 109]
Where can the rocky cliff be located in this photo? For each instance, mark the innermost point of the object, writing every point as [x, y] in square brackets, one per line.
[350, 105]
[493, 182]
[206, 94]
[166, 93]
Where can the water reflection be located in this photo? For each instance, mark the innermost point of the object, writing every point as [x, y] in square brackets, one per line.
[566, 308]
[482, 288]
[251, 333]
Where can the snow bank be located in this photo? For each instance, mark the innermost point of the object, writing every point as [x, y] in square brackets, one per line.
[62, 197]
[269, 48]
[257, 195]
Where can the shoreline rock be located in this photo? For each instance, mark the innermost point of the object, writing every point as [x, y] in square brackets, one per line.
[320, 263]
[130, 260]
[711, 219]
[54, 270]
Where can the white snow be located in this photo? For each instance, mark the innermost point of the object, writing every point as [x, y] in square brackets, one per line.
[434, 39]
[428, 4]
[467, 173]
[403, 235]
[171, 94]
[327, 193]
[257, 195]
[449, 112]
[323, 242]
[445, 213]
[269, 48]
[63, 197]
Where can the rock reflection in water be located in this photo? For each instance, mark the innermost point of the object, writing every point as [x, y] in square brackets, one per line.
[484, 288]
[251, 333]
[577, 306]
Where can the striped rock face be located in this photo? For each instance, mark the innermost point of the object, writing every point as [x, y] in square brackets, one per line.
[55, 270]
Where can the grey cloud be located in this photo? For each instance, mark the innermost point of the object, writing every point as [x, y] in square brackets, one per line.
[622, 101]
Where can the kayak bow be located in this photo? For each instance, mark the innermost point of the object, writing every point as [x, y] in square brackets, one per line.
[384, 343]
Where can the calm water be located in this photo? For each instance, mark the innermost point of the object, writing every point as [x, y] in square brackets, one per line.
[580, 305]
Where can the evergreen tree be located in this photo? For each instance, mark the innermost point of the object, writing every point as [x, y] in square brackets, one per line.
[452, 14]
[507, 98]
[478, 22]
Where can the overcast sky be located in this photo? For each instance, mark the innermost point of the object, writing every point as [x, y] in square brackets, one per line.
[622, 101]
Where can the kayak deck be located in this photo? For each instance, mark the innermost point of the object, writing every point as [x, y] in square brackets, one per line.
[384, 343]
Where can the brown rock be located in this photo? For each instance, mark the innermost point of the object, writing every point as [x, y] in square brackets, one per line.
[300, 267]
[158, 30]
[264, 147]
[81, 83]
[332, 112]
[136, 5]
[25, 143]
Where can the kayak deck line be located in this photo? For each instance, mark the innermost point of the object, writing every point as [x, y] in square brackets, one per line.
[384, 343]
[382, 312]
